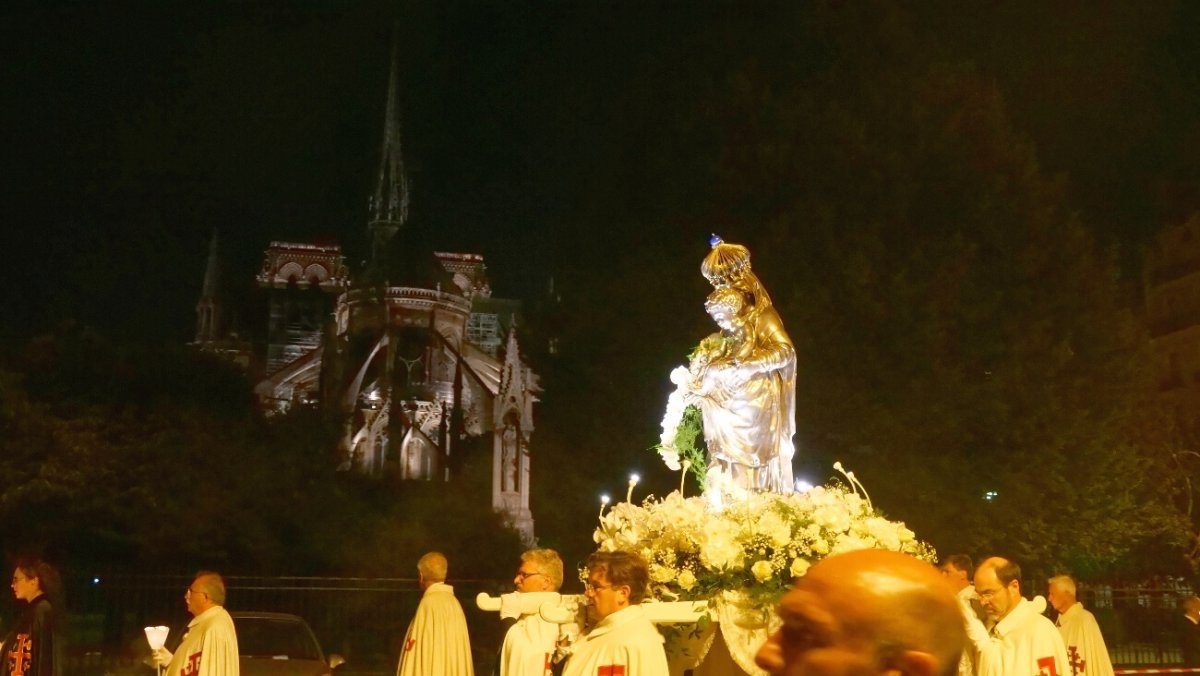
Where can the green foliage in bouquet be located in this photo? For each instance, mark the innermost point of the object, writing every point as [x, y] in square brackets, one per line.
[689, 446]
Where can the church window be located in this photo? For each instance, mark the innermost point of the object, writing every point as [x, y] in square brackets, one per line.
[483, 331]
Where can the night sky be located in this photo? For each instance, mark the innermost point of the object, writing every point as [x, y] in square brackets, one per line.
[537, 133]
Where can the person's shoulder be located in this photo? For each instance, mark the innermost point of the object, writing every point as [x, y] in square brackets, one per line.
[1042, 622]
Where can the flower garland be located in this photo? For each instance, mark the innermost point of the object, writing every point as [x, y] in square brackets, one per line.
[758, 546]
[682, 423]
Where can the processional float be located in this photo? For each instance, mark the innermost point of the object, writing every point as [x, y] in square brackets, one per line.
[720, 561]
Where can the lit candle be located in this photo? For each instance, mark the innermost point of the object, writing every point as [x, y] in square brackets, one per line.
[603, 504]
[686, 465]
[156, 637]
[633, 481]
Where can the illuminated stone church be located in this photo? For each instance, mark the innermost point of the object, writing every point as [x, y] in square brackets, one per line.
[413, 355]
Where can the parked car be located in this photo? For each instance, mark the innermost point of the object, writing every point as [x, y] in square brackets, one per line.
[279, 644]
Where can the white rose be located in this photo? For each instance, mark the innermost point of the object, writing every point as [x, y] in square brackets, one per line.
[720, 550]
[687, 580]
[671, 458]
[762, 570]
[775, 528]
[885, 532]
[660, 573]
[832, 517]
[849, 542]
[799, 567]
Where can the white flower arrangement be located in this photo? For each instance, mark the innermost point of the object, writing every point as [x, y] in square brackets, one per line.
[757, 545]
[672, 417]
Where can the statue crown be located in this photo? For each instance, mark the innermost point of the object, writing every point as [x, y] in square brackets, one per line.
[725, 263]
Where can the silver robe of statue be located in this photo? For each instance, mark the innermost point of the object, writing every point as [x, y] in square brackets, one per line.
[744, 377]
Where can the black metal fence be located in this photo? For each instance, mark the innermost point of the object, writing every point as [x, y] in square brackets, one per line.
[363, 619]
[1140, 623]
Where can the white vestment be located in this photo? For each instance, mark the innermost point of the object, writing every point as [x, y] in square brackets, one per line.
[1024, 643]
[528, 646]
[209, 648]
[967, 603]
[623, 644]
[436, 643]
[1086, 653]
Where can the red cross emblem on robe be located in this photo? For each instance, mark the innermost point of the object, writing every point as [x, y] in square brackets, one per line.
[1075, 660]
[21, 655]
[611, 670]
[546, 665]
[412, 643]
[192, 666]
[1046, 666]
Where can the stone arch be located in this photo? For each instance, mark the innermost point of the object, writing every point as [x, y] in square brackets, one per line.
[290, 270]
[316, 272]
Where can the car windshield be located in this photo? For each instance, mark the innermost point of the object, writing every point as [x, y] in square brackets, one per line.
[275, 638]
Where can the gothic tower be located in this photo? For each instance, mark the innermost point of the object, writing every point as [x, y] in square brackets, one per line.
[208, 309]
[389, 205]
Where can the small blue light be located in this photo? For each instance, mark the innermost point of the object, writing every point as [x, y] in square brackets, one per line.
[95, 580]
[714, 240]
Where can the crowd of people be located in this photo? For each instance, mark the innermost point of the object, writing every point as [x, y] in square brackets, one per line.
[868, 611]
[862, 612]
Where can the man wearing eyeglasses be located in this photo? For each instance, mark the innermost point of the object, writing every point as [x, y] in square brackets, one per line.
[624, 641]
[209, 648]
[1021, 640]
[530, 641]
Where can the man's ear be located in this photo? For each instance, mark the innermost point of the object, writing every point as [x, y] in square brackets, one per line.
[914, 663]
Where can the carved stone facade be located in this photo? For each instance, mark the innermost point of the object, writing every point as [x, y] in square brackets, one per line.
[412, 355]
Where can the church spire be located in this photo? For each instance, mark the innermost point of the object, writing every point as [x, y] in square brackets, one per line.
[389, 206]
[208, 308]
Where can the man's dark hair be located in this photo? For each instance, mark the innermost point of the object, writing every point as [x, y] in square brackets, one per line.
[622, 569]
[1007, 572]
[959, 562]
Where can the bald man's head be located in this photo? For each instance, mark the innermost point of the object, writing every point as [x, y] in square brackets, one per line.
[998, 584]
[867, 612]
[432, 568]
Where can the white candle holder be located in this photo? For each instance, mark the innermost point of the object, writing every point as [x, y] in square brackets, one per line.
[157, 637]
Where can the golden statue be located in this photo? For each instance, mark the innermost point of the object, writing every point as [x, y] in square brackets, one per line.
[743, 378]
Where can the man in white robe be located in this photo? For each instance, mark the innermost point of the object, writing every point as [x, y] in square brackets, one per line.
[436, 642]
[957, 569]
[530, 641]
[1021, 642]
[866, 612]
[623, 642]
[209, 648]
[1086, 653]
